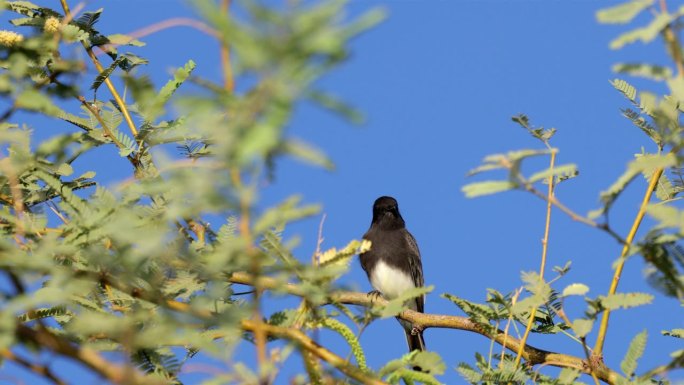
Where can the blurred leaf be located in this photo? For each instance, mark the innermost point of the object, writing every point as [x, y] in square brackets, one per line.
[476, 189]
[397, 305]
[646, 127]
[338, 106]
[332, 256]
[648, 71]
[156, 107]
[582, 327]
[33, 100]
[567, 376]
[429, 362]
[469, 373]
[622, 13]
[678, 333]
[625, 300]
[642, 163]
[668, 216]
[575, 289]
[644, 34]
[563, 171]
[307, 153]
[288, 211]
[121, 39]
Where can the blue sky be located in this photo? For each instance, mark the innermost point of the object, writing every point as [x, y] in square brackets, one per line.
[438, 82]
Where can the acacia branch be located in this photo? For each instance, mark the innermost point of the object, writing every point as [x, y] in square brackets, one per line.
[533, 355]
[40, 370]
[603, 329]
[117, 374]
[294, 335]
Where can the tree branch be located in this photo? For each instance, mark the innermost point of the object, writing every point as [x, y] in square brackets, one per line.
[40, 370]
[117, 374]
[531, 354]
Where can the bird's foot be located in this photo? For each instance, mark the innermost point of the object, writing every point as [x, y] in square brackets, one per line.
[374, 295]
[416, 329]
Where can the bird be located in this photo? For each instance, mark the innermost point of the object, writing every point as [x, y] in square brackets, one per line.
[393, 263]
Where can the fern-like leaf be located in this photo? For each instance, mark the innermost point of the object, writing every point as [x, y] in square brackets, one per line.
[634, 352]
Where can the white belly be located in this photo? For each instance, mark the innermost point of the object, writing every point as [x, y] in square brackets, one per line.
[390, 281]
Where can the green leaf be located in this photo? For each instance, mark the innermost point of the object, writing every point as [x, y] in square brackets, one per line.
[668, 216]
[538, 132]
[478, 313]
[156, 108]
[622, 13]
[582, 327]
[307, 153]
[288, 211]
[469, 373]
[567, 376]
[33, 100]
[183, 285]
[626, 89]
[564, 171]
[120, 39]
[642, 163]
[648, 71]
[336, 105]
[397, 305]
[429, 362]
[645, 34]
[642, 124]
[477, 189]
[625, 300]
[575, 289]
[102, 76]
[678, 333]
[634, 352]
[64, 169]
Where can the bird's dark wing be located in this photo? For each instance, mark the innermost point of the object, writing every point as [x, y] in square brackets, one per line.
[416, 268]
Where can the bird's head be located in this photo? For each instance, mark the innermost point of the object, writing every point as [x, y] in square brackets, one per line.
[386, 213]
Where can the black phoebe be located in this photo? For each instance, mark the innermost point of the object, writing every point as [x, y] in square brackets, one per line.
[393, 262]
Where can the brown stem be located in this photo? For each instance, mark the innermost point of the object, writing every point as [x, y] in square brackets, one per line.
[545, 249]
[114, 373]
[603, 329]
[40, 370]
[532, 355]
[673, 43]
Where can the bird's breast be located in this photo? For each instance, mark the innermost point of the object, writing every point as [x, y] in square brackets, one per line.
[389, 280]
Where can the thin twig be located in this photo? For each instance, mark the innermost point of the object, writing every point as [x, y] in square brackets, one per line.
[508, 325]
[244, 222]
[107, 81]
[228, 82]
[160, 26]
[545, 248]
[40, 370]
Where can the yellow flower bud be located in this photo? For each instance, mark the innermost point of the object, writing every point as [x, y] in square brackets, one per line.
[9, 38]
[52, 25]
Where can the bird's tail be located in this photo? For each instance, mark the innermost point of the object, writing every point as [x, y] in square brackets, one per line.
[415, 341]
